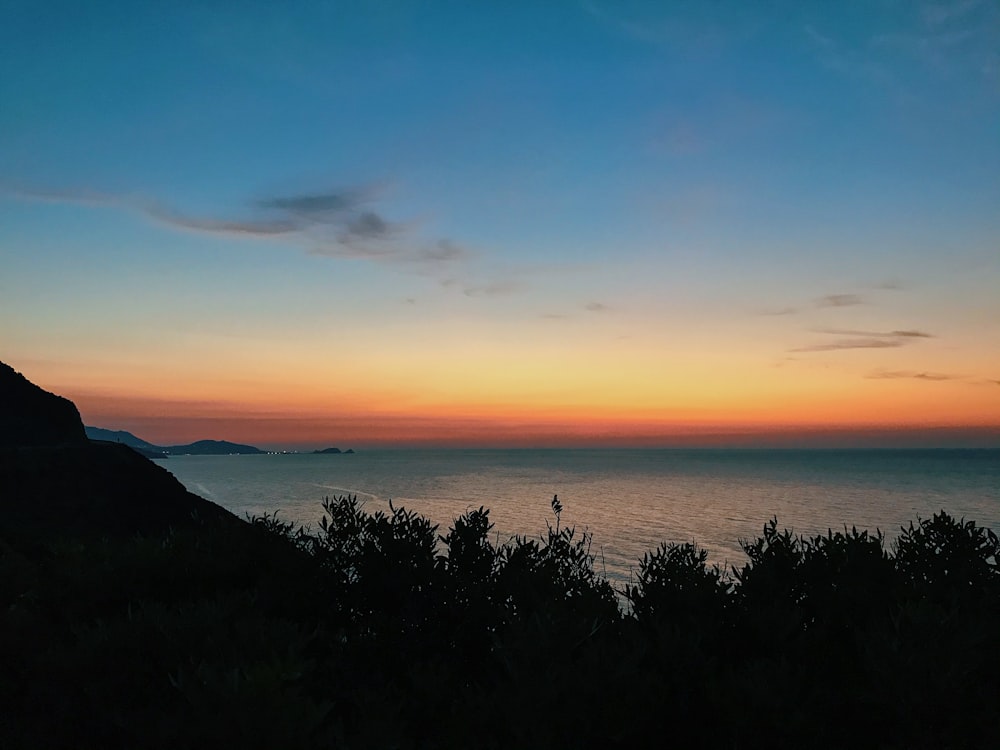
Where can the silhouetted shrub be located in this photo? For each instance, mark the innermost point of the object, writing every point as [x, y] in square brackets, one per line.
[947, 559]
[373, 631]
[675, 585]
[555, 577]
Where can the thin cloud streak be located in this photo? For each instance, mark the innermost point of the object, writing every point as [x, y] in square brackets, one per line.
[493, 289]
[222, 226]
[317, 204]
[906, 334]
[912, 375]
[840, 300]
[774, 311]
[853, 344]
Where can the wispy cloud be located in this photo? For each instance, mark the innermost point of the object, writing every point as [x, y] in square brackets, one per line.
[250, 228]
[45, 195]
[906, 334]
[497, 288]
[845, 59]
[864, 339]
[840, 300]
[316, 204]
[912, 375]
[954, 38]
[666, 29]
[852, 344]
[341, 223]
[596, 307]
[336, 223]
[444, 249]
[940, 13]
[772, 311]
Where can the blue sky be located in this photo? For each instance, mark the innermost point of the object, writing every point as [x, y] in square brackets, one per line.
[673, 175]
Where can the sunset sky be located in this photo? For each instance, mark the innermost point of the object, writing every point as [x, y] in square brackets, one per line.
[559, 223]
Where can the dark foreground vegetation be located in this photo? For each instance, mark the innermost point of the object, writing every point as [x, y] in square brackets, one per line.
[376, 631]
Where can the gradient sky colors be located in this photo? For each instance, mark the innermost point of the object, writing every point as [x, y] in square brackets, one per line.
[559, 223]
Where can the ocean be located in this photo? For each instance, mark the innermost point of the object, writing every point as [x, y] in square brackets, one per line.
[628, 500]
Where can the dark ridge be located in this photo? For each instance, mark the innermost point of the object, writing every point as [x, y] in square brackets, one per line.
[56, 482]
[95, 488]
[31, 416]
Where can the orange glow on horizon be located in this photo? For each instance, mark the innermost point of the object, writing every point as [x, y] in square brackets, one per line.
[171, 422]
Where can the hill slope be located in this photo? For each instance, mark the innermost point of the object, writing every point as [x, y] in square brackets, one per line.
[30, 415]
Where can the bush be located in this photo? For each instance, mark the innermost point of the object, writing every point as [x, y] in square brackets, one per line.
[675, 585]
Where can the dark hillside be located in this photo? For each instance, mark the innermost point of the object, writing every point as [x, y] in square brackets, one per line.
[32, 416]
[103, 489]
[53, 480]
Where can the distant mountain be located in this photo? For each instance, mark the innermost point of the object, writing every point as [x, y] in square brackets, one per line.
[150, 450]
[211, 448]
[31, 416]
[332, 451]
[126, 438]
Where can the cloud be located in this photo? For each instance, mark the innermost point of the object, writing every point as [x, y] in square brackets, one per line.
[846, 60]
[905, 334]
[840, 300]
[336, 223]
[699, 29]
[552, 316]
[865, 339]
[317, 204]
[936, 14]
[770, 311]
[342, 224]
[492, 289]
[222, 226]
[956, 37]
[79, 197]
[911, 375]
[596, 307]
[444, 250]
[367, 225]
[852, 344]
[953, 38]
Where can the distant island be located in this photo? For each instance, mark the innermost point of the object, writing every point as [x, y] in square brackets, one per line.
[197, 448]
[212, 448]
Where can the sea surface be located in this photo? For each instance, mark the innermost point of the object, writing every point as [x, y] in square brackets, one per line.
[628, 500]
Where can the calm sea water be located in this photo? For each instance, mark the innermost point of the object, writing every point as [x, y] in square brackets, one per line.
[629, 500]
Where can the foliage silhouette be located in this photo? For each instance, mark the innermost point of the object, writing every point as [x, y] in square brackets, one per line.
[376, 631]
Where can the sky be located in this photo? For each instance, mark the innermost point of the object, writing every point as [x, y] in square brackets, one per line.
[566, 223]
